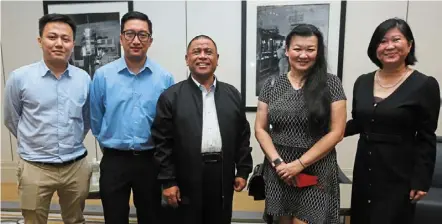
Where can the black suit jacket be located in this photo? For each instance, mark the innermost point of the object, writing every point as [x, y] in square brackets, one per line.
[177, 134]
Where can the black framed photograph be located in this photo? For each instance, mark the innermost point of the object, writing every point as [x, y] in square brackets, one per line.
[265, 25]
[97, 41]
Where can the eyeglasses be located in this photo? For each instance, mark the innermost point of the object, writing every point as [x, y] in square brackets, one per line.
[143, 36]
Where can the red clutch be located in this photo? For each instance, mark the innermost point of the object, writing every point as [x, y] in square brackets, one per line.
[305, 180]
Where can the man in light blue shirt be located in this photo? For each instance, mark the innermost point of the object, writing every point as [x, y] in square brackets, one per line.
[123, 96]
[46, 108]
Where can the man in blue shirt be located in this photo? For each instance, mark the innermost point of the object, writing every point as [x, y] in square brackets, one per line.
[124, 95]
[46, 108]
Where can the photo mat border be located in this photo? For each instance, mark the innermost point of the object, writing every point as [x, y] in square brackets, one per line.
[343, 12]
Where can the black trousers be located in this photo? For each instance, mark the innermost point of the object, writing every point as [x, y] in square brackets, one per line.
[213, 211]
[121, 172]
[212, 203]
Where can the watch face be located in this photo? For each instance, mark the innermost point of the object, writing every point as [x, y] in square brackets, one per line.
[277, 161]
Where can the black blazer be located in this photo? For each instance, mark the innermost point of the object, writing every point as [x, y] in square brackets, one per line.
[177, 134]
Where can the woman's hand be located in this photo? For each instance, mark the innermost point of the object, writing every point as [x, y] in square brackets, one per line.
[287, 171]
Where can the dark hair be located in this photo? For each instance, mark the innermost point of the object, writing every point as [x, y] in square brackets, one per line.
[54, 17]
[202, 36]
[136, 15]
[316, 93]
[379, 34]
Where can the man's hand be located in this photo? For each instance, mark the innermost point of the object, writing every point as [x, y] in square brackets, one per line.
[172, 195]
[417, 195]
[240, 184]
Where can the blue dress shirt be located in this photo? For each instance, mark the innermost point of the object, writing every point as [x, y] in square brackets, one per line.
[123, 104]
[48, 116]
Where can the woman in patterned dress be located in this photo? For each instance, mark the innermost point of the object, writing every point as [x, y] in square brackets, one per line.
[301, 116]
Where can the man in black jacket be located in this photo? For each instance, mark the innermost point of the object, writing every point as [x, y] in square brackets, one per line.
[202, 137]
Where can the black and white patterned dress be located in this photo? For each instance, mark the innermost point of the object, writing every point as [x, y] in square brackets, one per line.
[289, 122]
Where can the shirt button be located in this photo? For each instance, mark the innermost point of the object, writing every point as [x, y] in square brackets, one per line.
[369, 201]
[372, 120]
[369, 169]
[375, 105]
[369, 153]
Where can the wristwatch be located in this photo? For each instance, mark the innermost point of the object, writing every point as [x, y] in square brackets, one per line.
[277, 161]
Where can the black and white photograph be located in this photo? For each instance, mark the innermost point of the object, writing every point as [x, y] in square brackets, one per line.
[97, 41]
[265, 25]
[274, 23]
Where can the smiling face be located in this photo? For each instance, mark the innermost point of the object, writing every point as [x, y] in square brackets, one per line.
[302, 52]
[202, 57]
[57, 42]
[393, 48]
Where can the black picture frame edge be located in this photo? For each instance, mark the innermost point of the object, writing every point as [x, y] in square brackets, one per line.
[244, 54]
[343, 13]
[342, 39]
[130, 4]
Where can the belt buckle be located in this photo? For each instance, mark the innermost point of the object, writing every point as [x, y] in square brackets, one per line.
[210, 157]
[136, 153]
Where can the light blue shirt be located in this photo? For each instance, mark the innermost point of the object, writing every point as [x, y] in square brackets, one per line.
[48, 116]
[123, 104]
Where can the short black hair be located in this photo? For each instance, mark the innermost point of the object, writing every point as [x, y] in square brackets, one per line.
[135, 15]
[202, 36]
[379, 34]
[54, 17]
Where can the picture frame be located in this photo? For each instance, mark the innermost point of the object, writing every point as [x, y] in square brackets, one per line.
[97, 40]
[264, 25]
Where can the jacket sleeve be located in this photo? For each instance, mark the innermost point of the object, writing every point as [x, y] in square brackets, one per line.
[425, 150]
[162, 135]
[243, 156]
[351, 126]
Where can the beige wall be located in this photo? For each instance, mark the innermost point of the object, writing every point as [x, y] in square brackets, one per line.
[222, 20]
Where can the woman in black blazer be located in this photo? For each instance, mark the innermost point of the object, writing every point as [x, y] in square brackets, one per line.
[395, 111]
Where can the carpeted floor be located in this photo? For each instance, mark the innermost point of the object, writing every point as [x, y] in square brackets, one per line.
[17, 218]
[245, 209]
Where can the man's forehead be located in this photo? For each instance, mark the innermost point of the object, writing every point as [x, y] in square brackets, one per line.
[202, 44]
[136, 24]
[57, 27]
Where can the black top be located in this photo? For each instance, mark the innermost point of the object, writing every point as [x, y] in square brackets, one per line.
[397, 144]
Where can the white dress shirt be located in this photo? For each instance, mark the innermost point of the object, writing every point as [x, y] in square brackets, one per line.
[211, 140]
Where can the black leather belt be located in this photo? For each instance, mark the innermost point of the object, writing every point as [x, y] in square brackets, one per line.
[119, 152]
[63, 163]
[211, 157]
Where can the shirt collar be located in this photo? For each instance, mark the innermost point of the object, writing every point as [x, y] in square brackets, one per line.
[44, 70]
[202, 88]
[121, 65]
